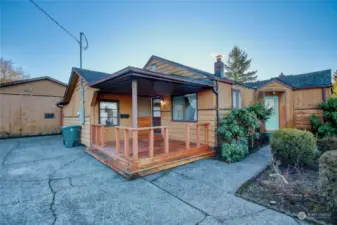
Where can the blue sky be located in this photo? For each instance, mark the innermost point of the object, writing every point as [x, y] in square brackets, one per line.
[290, 37]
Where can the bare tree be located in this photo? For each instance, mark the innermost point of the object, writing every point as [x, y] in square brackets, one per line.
[9, 72]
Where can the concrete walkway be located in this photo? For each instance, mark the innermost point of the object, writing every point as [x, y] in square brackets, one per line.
[41, 182]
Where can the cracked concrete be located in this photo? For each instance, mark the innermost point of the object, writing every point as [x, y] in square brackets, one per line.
[42, 182]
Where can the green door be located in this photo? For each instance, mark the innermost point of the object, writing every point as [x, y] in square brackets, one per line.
[273, 122]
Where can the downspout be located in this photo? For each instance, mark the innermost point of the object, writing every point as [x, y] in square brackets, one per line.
[216, 92]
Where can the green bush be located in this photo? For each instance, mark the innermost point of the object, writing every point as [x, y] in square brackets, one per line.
[234, 151]
[293, 147]
[328, 178]
[238, 124]
[315, 123]
[261, 111]
[329, 127]
[327, 144]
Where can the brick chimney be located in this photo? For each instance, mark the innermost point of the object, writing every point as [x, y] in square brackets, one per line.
[219, 67]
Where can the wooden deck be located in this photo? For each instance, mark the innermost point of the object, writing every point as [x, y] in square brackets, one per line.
[150, 154]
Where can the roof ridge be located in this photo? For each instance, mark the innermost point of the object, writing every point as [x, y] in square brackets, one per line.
[91, 70]
[22, 81]
[182, 64]
[319, 71]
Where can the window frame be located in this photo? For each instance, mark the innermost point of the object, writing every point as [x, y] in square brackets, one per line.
[238, 103]
[99, 112]
[154, 67]
[188, 121]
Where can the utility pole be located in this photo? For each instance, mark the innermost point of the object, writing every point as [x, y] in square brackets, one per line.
[80, 42]
[82, 118]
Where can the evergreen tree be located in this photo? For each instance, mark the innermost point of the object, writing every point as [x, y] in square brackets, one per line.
[237, 66]
[334, 85]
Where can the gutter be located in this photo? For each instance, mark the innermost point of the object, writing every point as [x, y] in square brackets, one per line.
[216, 92]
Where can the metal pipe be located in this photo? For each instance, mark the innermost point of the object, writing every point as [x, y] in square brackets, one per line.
[216, 92]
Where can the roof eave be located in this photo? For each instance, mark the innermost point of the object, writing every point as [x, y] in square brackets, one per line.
[136, 72]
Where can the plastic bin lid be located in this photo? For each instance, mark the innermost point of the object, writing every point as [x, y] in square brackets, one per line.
[71, 126]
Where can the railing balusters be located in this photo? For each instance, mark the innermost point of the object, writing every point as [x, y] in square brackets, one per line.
[187, 135]
[126, 143]
[102, 136]
[206, 134]
[118, 144]
[135, 145]
[198, 136]
[166, 141]
[151, 143]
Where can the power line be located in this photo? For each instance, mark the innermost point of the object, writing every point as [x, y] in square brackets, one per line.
[57, 23]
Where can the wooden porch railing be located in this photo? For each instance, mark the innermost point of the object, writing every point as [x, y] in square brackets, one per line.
[135, 131]
[188, 134]
[97, 135]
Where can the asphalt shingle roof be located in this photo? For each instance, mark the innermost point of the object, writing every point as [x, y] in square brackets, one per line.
[306, 80]
[89, 75]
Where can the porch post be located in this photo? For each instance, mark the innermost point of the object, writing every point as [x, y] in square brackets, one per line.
[134, 104]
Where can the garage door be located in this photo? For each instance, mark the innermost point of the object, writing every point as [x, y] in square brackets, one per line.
[25, 115]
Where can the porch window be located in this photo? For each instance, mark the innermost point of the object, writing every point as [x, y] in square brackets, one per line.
[236, 99]
[109, 113]
[184, 107]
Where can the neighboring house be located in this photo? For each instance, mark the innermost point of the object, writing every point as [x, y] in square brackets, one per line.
[294, 98]
[27, 107]
[140, 121]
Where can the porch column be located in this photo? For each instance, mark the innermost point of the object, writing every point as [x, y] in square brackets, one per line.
[134, 104]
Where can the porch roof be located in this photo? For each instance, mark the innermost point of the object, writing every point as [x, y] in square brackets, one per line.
[150, 83]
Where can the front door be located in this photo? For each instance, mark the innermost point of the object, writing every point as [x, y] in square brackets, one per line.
[273, 122]
[156, 115]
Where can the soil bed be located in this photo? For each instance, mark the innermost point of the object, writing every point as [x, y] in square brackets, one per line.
[301, 194]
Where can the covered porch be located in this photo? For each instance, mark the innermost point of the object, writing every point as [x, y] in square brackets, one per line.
[136, 143]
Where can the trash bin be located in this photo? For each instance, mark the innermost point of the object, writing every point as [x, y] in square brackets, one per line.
[71, 135]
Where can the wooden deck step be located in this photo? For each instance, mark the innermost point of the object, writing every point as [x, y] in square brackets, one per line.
[131, 170]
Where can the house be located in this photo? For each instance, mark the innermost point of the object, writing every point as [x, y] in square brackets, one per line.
[293, 97]
[140, 121]
[27, 107]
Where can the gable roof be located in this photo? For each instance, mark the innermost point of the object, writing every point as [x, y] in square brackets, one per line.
[187, 68]
[32, 80]
[306, 80]
[89, 76]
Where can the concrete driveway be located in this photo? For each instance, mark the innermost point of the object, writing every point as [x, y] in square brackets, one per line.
[41, 182]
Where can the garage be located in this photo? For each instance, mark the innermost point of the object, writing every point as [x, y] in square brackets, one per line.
[28, 107]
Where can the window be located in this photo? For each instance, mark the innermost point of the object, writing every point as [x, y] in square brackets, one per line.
[109, 113]
[153, 67]
[236, 99]
[184, 108]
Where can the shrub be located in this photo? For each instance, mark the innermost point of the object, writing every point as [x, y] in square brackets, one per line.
[315, 123]
[261, 111]
[328, 178]
[234, 151]
[239, 123]
[293, 147]
[327, 144]
[329, 128]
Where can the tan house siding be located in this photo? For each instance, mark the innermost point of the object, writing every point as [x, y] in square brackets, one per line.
[306, 103]
[286, 101]
[23, 108]
[247, 95]
[206, 113]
